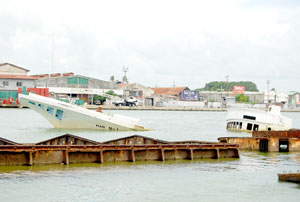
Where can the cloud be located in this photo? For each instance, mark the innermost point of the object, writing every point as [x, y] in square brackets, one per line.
[162, 42]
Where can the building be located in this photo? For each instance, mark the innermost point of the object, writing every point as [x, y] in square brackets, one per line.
[170, 93]
[13, 77]
[142, 93]
[76, 86]
[294, 99]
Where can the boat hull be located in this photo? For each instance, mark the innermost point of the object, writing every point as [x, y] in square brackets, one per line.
[64, 115]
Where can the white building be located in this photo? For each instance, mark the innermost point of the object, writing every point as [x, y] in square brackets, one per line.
[13, 77]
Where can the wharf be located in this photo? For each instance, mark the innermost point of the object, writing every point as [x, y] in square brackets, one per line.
[73, 149]
[268, 141]
[152, 108]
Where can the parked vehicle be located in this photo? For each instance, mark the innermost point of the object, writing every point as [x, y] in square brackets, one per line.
[131, 101]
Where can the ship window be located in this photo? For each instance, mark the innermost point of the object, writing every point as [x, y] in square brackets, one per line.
[41, 106]
[249, 117]
[30, 102]
[59, 114]
[50, 110]
[255, 127]
[249, 126]
[241, 124]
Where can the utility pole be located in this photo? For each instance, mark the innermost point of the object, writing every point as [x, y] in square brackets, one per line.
[125, 70]
[227, 80]
[268, 97]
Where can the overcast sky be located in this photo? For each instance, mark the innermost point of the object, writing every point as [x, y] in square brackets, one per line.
[161, 42]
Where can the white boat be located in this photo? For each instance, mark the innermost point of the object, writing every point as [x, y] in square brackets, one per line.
[249, 120]
[64, 115]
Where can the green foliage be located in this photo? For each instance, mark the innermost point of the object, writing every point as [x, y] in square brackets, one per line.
[111, 92]
[242, 98]
[223, 85]
[211, 100]
[98, 97]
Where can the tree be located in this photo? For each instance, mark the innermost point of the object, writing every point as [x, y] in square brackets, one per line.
[112, 78]
[218, 85]
[242, 98]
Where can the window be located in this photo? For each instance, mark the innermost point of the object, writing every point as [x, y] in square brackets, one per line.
[249, 126]
[30, 102]
[59, 114]
[5, 83]
[19, 83]
[83, 81]
[255, 127]
[50, 110]
[249, 117]
[41, 106]
[72, 80]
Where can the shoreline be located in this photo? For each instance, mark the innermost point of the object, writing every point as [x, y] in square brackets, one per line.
[148, 108]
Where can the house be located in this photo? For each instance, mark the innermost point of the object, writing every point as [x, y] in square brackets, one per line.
[171, 93]
[13, 77]
[294, 99]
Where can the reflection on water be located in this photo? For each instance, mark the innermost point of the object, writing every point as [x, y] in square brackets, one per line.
[253, 177]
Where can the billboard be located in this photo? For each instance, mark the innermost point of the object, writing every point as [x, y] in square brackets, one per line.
[239, 89]
[190, 95]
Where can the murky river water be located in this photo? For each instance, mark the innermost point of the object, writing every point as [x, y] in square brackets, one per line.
[253, 177]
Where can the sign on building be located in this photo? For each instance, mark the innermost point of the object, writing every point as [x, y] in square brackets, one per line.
[239, 89]
[190, 95]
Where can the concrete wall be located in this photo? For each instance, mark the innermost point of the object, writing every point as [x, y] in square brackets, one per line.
[12, 84]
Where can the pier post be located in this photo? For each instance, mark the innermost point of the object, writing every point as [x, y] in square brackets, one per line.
[217, 153]
[191, 154]
[30, 158]
[101, 157]
[163, 155]
[67, 157]
[132, 155]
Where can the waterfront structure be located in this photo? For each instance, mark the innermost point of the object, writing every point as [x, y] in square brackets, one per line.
[267, 141]
[69, 149]
[76, 86]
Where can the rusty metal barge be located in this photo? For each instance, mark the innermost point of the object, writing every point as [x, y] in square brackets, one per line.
[69, 149]
[268, 141]
[289, 177]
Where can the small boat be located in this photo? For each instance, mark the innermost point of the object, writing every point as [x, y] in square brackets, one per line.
[290, 177]
[249, 120]
[65, 115]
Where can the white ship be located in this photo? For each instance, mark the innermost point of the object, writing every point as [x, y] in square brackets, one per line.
[249, 120]
[64, 115]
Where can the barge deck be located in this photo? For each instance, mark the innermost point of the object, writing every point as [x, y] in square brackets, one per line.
[69, 149]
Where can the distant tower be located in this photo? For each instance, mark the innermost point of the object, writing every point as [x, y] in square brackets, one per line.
[227, 80]
[268, 97]
[125, 70]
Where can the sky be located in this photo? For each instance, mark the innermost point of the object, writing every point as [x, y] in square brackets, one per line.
[162, 42]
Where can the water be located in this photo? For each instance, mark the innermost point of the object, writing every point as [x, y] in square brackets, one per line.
[253, 177]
